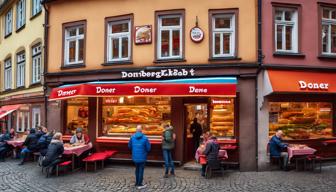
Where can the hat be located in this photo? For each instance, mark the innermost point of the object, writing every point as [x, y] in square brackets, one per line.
[79, 130]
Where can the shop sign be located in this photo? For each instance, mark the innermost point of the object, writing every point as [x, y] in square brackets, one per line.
[220, 101]
[143, 34]
[313, 86]
[158, 74]
[196, 34]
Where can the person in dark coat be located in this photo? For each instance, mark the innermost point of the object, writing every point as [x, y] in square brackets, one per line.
[211, 152]
[4, 147]
[44, 142]
[276, 148]
[42, 131]
[140, 147]
[168, 144]
[30, 145]
[54, 152]
[196, 131]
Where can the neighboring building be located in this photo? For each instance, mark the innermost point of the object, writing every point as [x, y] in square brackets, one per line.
[97, 65]
[297, 84]
[21, 63]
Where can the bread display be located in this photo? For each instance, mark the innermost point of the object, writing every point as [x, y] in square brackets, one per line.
[222, 118]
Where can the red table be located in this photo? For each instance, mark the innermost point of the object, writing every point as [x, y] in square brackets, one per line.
[299, 151]
[76, 151]
[15, 142]
[222, 155]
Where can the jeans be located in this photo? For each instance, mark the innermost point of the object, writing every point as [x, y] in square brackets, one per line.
[284, 156]
[203, 169]
[139, 172]
[24, 153]
[167, 156]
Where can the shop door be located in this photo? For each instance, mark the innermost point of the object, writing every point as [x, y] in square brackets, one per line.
[199, 111]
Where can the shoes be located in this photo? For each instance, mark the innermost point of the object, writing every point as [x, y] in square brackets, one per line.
[21, 163]
[165, 175]
[172, 174]
[203, 175]
[142, 186]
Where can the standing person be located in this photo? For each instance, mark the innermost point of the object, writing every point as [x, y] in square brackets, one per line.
[277, 146]
[140, 147]
[196, 131]
[30, 145]
[54, 152]
[168, 144]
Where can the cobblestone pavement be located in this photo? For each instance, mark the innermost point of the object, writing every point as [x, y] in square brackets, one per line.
[120, 178]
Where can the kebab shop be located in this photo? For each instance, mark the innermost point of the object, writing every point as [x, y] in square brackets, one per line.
[109, 111]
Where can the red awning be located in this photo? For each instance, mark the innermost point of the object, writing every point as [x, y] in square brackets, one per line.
[5, 110]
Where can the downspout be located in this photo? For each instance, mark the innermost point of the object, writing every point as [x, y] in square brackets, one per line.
[45, 60]
[260, 60]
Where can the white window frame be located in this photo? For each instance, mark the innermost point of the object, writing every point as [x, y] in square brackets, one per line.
[36, 7]
[8, 74]
[23, 114]
[20, 70]
[328, 22]
[36, 111]
[294, 23]
[111, 36]
[231, 31]
[69, 39]
[170, 29]
[8, 23]
[20, 14]
[36, 63]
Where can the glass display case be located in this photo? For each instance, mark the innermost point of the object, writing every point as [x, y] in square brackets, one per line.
[77, 115]
[222, 121]
[301, 120]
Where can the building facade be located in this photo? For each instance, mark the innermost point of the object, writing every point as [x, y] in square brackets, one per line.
[124, 63]
[21, 64]
[296, 86]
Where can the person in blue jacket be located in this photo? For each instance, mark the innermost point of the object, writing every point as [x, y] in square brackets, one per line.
[140, 147]
[277, 146]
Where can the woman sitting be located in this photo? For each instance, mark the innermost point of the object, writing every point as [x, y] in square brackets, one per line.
[54, 152]
[211, 152]
[79, 138]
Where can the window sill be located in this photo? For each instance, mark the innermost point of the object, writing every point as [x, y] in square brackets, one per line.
[327, 57]
[21, 28]
[19, 88]
[34, 16]
[33, 85]
[9, 34]
[169, 60]
[73, 66]
[113, 63]
[225, 58]
[288, 54]
[7, 91]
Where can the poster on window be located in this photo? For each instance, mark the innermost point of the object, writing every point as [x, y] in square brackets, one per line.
[143, 34]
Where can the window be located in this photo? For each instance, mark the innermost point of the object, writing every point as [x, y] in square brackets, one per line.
[170, 37]
[74, 45]
[286, 30]
[8, 74]
[36, 7]
[8, 22]
[328, 31]
[20, 14]
[223, 35]
[20, 71]
[36, 117]
[22, 121]
[37, 64]
[77, 114]
[119, 41]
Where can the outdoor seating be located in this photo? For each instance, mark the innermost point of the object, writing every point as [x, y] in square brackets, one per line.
[311, 161]
[58, 166]
[213, 166]
[95, 157]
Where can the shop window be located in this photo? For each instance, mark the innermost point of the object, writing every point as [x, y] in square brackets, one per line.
[301, 120]
[170, 36]
[328, 31]
[119, 39]
[74, 43]
[37, 64]
[20, 70]
[223, 35]
[286, 30]
[9, 22]
[8, 74]
[121, 115]
[20, 14]
[77, 111]
[22, 120]
[222, 121]
[36, 117]
[36, 7]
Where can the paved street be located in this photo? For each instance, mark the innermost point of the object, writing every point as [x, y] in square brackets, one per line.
[120, 178]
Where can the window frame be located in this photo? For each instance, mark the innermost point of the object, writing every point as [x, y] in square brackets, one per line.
[234, 43]
[36, 110]
[158, 18]
[25, 120]
[66, 26]
[8, 28]
[20, 18]
[20, 69]
[118, 20]
[34, 6]
[322, 22]
[36, 55]
[8, 67]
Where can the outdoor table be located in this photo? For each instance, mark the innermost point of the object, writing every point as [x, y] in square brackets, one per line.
[16, 143]
[76, 151]
[299, 151]
[222, 155]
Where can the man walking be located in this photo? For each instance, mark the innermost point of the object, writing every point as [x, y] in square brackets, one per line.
[140, 147]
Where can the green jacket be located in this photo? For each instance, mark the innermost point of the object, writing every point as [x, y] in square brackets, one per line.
[168, 141]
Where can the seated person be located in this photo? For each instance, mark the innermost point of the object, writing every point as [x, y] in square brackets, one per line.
[44, 142]
[277, 146]
[211, 152]
[41, 131]
[54, 152]
[30, 145]
[4, 147]
[12, 134]
[79, 138]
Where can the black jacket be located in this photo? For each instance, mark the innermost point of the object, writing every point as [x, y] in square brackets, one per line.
[55, 150]
[31, 142]
[196, 130]
[211, 150]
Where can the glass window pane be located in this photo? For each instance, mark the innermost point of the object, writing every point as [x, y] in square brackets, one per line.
[217, 43]
[288, 15]
[222, 23]
[72, 32]
[164, 43]
[119, 28]
[333, 38]
[171, 21]
[333, 14]
[176, 43]
[278, 15]
[325, 13]
[325, 29]
[72, 51]
[81, 30]
[115, 48]
[81, 49]
[289, 30]
[124, 51]
[279, 36]
[226, 43]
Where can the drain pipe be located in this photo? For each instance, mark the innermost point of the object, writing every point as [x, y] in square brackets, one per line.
[45, 60]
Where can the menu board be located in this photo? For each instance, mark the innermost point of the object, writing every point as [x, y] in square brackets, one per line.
[222, 117]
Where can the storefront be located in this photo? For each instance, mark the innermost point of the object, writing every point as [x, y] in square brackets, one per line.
[302, 105]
